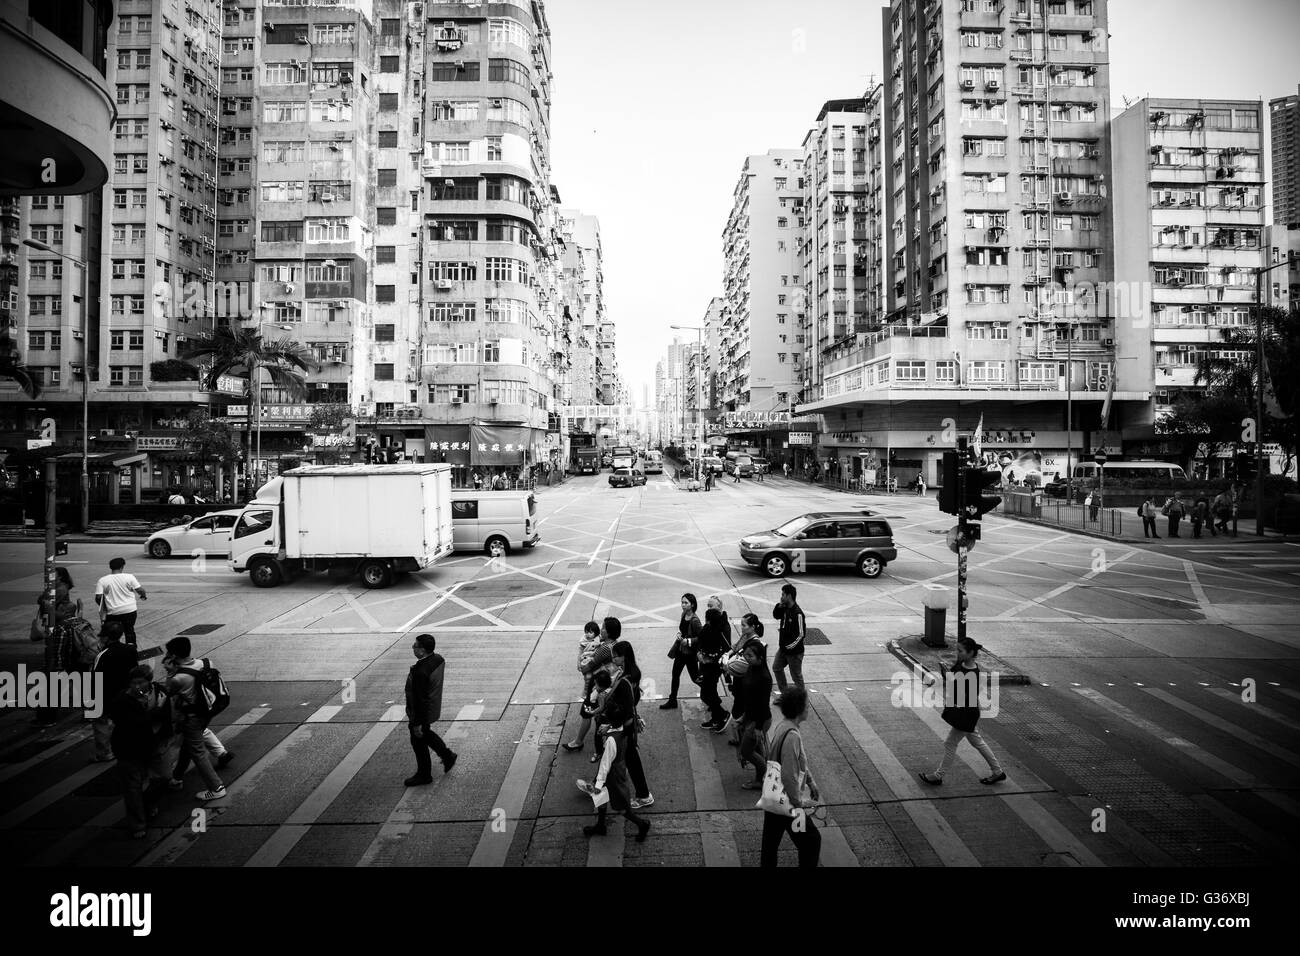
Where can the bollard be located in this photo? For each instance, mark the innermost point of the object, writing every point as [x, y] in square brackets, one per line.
[936, 614]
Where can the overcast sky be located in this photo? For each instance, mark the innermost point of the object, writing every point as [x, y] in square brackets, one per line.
[657, 104]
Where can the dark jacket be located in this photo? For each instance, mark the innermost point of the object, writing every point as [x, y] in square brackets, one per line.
[714, 641]
[115, 662]
[964, 692]
[620, 708]
[424, 691]
[793, 626]
[688, 631]
[753, 693]
[141, 728]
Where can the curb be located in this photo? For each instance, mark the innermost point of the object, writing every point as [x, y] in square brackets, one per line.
[78, 539]
[918, 669]
[1267, 535]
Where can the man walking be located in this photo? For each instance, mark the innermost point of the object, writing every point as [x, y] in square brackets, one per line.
[786, 468]
[116, 594]
[790, 639]
[190, 709]
[1174, 511]
[141, 730]
[115, 662]
[1222, 511]
[424, 709]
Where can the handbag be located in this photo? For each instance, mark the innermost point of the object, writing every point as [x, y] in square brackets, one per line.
[774, 798]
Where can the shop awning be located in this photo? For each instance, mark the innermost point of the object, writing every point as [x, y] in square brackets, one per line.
[448, 444]
[104, 459]
[498, 444]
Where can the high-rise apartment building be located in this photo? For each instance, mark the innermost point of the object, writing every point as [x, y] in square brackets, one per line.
[587, 277]
[1189, 233]
[1284, 120]
[715, 318]
[997, 219]
[840, 246]
[760, 355]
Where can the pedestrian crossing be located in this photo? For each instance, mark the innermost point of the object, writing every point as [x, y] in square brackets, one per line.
[1179, 775]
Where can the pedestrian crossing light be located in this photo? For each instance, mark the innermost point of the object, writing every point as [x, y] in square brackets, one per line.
[977, 502]
[950, 490]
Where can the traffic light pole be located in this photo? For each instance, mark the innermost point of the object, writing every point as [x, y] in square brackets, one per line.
[962, 541]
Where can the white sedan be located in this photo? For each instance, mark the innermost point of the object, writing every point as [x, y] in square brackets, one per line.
[211, 534]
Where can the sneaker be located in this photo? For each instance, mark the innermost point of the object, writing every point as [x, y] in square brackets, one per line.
[719, 726]
[642, 830]
[709, 725]
[994, 778]
[931, 778]
[669, 704]
[417, 781]
[449, 763]
[224, 759]
[752, 785]
[102, 759]
[218, 794]
[174, 784]
[587, 788]
[594, 830]
[639, 802]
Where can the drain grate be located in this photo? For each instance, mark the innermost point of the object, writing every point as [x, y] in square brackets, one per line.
[201, 629]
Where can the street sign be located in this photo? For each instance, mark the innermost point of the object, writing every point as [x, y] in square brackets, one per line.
[956, 539]
[1100, 458]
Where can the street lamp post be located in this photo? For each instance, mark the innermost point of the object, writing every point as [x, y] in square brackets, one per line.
[85, 371]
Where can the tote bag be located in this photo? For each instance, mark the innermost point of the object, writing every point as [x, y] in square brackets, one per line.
[774, 799]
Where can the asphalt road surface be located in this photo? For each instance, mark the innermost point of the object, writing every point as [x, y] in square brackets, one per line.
[1161, 724]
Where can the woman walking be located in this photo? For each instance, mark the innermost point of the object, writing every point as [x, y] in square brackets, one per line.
[683, 650]
[65, 609]
[594, 654]
[786, 746]
[619, 720]
[753, 692]
[714, 642]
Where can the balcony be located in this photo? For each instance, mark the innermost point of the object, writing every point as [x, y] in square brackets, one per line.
[56, 104]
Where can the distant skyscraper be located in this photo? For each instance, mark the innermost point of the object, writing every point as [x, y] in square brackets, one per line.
[1284, 113]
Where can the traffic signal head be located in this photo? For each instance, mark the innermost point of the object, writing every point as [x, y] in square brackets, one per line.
[1245, 466]
[977, 502]
[950, 490]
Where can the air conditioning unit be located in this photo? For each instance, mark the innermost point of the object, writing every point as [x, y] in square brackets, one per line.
[288, 288]
[1108, 342]
[972, 248]
[326, 197]
[968, 84]
[322, 386]
[1162, 393]
[1065, 197]
[345, 77]
[444, 285]
[456, 400]
[994, 84]
[460, 64]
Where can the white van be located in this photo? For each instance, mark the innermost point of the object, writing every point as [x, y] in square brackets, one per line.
[493, 521]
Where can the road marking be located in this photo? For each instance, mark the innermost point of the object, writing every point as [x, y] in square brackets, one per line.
[1190, 750]
[494, 847]
[182, 838]
[564, 606]
[936, 830]
[1255, 708]
[1011, 613]
[86, 832]
[74, 738]
[1198, 592]
[432, 607]
[716, 834]
[295, 827]
[596, 552]
[1241, 733]
[388, 841]
[323, 715]
[365, 615]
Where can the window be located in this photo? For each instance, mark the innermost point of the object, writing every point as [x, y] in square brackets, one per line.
[387, 177]
[327, 33]
[281, 232]
[385, 254]
[491, 352]
[385, 293]
[453, 271]
[453, 312]
[388, 139]
[250, 522]
[909, 371]
[290, 112]
[494, 151]
[508, 31]
[987, 371]
[331, 111]
[327, 230]
[390, 64]
[319, 270]
[386, 216]
[385, 332]
[282, 192]
[509, 71]
[281, 74]
[450, 72]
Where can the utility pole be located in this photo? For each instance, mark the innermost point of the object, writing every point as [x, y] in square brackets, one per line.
[963, 535]
[51, 532]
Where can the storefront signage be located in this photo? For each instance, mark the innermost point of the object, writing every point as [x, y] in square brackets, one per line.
[319, 441]
[157, 442]
[597, 411]
[801, 438]
[750, 419]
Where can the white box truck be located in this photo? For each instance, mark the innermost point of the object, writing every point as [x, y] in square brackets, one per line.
[376, 520]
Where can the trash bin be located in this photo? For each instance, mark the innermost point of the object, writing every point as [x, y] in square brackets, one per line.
[936, 614]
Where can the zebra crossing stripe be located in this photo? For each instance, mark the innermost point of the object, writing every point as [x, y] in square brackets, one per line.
[74, 738]
[947, 845]
[493, 847]
[1241, 733]
[288, 834]
[717, 837]
[383, 849]
[78, 838]
[1259, 709]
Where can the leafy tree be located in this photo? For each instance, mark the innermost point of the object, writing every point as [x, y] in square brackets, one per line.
[173, 370]
[327, 417]
[210, 439]
[13, 369]
[1207, 419]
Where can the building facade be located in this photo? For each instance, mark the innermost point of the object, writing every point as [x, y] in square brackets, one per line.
[997, 235]
[1284, 122]
[1189, 235]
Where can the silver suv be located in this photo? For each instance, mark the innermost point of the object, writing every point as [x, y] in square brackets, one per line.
[855, 539]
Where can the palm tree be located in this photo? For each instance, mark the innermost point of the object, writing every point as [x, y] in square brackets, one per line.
[13, 369]
[243, 353]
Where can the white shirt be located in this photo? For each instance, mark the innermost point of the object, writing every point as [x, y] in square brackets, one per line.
[176, 500]
[118, 591]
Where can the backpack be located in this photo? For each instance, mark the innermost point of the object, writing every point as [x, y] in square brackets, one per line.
[80, 645]
[1140, 511]
[211, 696]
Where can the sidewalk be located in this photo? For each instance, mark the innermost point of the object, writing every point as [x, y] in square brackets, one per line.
[1131, 531]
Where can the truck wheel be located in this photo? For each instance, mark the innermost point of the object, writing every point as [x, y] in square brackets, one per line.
[775, 565]
[870, 566]
[497, 546]
[265, 573]
[375, 574]
[160, 549]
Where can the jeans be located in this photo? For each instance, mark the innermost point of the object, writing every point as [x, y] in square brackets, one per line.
[127, 621]
[808, 843]
[710, 674]
[211, 742]
[1149, 527]
[795, 663]
[422, 745]
[753, 746]
[192, 730]
[950, 750]
[141, 785]
[687, 661]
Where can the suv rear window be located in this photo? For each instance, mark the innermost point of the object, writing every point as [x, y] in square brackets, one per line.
[878, 529]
